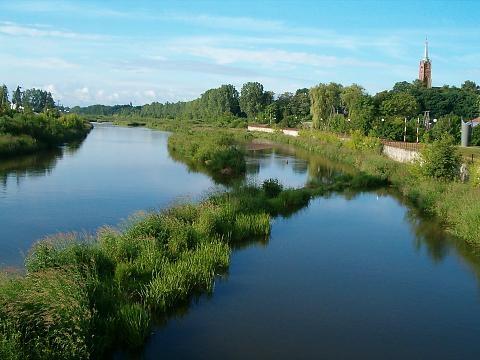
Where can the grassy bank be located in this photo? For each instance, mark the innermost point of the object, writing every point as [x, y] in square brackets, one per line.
[82, 297]
[216, 152]
[456, 204]
[26, 133]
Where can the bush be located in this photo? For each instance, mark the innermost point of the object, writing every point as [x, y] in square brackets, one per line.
[441, 160]
[272, 188]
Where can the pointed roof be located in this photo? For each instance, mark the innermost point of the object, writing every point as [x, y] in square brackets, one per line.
[425, 57]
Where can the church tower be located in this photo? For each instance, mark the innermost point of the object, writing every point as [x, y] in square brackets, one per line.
[425, 69]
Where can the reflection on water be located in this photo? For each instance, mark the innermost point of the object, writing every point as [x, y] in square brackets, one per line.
[18, 168]
[356, 275]
[363, 276]
[292, 167]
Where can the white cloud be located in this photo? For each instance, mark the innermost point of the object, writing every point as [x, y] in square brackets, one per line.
[13, 29]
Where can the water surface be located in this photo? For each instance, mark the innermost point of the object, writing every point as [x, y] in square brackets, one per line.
[357, 276]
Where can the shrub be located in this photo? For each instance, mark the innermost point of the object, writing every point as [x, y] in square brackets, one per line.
[272, 188]
[441, 160]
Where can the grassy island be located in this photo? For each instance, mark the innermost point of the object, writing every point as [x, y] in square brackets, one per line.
[25, 133]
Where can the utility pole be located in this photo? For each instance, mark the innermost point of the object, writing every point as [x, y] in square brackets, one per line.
[418, 124]
[405, 131]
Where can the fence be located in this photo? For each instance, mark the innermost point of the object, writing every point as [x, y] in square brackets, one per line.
[403, 145]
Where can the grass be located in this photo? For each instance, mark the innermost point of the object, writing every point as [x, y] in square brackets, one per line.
[218, 153]
[17, 145]
[83, 297]
[26, 133]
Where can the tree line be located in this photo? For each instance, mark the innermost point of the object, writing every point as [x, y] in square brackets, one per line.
[29, 100]
[331, 107]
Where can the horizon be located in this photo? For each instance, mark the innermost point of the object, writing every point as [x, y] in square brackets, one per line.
[108, 53]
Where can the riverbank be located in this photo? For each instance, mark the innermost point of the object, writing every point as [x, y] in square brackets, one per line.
[22, 134]
[456, 204]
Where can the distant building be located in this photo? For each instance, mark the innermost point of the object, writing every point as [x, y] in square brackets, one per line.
[475, 122]
[425, 68]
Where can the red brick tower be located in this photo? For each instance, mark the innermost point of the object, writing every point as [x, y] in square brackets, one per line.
[425, 69]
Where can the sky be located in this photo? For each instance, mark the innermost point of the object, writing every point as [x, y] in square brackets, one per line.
[116, 52]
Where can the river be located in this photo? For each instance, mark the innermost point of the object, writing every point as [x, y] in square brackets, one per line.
[351, 276]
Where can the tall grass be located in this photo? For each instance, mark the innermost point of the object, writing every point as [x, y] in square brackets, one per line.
[217, 152]
[26, 133]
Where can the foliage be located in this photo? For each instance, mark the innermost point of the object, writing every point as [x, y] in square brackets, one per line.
[217, 152]
[272, 187]
[22, 133]
[400, 104]
[441, 160]
[253, 99]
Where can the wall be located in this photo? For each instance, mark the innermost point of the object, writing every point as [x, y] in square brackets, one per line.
[399, 154]
[394, 153]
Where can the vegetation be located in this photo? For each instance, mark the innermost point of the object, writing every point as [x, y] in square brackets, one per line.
[24, 130]
[81, 297]
[441, 160]
[331, 107]
[216, 152]
[456, 204]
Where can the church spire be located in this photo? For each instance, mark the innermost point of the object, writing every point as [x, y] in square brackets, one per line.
[426, 50]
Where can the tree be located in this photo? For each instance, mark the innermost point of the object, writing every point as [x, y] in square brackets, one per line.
[253, 99]
[4, 103]
[17, 98]
[400, 104]
[38, 100]
[469, 85]
[448, 124]
[301, 104]
[325, 102]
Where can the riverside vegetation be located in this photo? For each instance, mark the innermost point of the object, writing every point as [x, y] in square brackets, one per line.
[81, 297]
[22, 133]
[31, 121]
[432, 184]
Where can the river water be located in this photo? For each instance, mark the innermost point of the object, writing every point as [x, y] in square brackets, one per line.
[349, 277]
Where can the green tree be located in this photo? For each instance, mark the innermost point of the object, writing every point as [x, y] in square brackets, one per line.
[4, 102]
[441, 159]
[469, 85]
[38, 100]
[325, 102]
[400, 104]
[17, 98]
[253, 99]
[448, 124]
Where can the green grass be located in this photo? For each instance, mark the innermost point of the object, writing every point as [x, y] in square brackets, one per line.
[26, 133]
[216, 152]
[83, 297]
[17, 145]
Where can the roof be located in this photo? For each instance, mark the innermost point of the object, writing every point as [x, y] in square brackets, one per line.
[476, 120]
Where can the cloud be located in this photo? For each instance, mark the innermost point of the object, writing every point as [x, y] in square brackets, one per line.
[55, 63]
[272, 57]
[13, 29]
[229, 22]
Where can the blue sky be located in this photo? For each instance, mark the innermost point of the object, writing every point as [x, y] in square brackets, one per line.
[110, 52]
